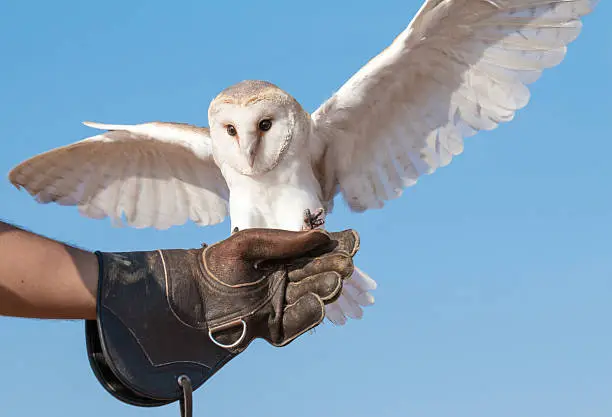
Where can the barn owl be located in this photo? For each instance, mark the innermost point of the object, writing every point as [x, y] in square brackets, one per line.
[459, 67]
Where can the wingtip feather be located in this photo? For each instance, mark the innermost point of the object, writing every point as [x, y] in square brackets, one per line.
[104, 126]
[12, 176]
[95, 125]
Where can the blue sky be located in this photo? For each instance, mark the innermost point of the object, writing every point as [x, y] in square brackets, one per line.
[495, 274]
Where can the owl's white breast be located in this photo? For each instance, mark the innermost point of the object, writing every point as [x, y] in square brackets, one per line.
[276, 199]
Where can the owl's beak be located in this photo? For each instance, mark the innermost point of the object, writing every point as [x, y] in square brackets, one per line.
[251, 152]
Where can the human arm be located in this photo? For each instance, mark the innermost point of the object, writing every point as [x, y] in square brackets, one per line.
[43, 278]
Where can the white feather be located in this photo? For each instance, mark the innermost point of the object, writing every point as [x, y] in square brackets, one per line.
[132, 170]
[460, 67]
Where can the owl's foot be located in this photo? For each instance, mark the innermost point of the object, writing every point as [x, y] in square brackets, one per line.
[313, 220]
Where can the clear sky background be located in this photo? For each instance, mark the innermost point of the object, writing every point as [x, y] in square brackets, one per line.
[495, 274]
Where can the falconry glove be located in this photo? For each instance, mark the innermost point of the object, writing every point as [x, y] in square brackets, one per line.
[167, 320]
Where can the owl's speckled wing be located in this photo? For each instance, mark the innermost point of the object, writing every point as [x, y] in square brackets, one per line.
[156, 174]
[460, 67]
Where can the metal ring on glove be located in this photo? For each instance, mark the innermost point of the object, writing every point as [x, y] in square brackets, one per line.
[227, 326]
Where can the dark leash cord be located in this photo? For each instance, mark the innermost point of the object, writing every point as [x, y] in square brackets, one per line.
[186, 401]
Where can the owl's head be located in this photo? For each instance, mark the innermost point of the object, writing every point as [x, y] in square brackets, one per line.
[254, 125]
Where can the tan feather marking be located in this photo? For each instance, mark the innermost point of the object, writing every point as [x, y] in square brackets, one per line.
[249, 92]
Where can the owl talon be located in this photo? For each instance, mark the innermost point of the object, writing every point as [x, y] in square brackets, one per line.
[313, 220]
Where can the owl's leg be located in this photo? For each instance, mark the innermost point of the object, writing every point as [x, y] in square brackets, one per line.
[244, 218]
[313, 220]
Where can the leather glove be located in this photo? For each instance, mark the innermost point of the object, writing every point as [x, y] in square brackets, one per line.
[256, 286]
[167, 320]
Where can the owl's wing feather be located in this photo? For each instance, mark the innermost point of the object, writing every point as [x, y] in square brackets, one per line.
[461, 66]
[156, 174]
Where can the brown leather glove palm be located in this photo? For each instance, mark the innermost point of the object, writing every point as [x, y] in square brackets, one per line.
[273, 284]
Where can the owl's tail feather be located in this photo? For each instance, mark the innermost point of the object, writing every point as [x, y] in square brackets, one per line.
[355, 295]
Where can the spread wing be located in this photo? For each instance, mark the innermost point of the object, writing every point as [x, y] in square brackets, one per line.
[461, 66]
[156, 174]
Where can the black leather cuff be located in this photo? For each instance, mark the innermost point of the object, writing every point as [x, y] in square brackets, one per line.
[151, 327]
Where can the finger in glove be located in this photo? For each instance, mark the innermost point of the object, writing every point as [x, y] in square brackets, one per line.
[347, 241]
[268, 244]
[326, 285]
[339, 262]
[307, 312]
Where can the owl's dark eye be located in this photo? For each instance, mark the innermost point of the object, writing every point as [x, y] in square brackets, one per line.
[265, 125]
[231, 130]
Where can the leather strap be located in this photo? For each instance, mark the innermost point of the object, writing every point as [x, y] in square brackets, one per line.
[186, 401]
